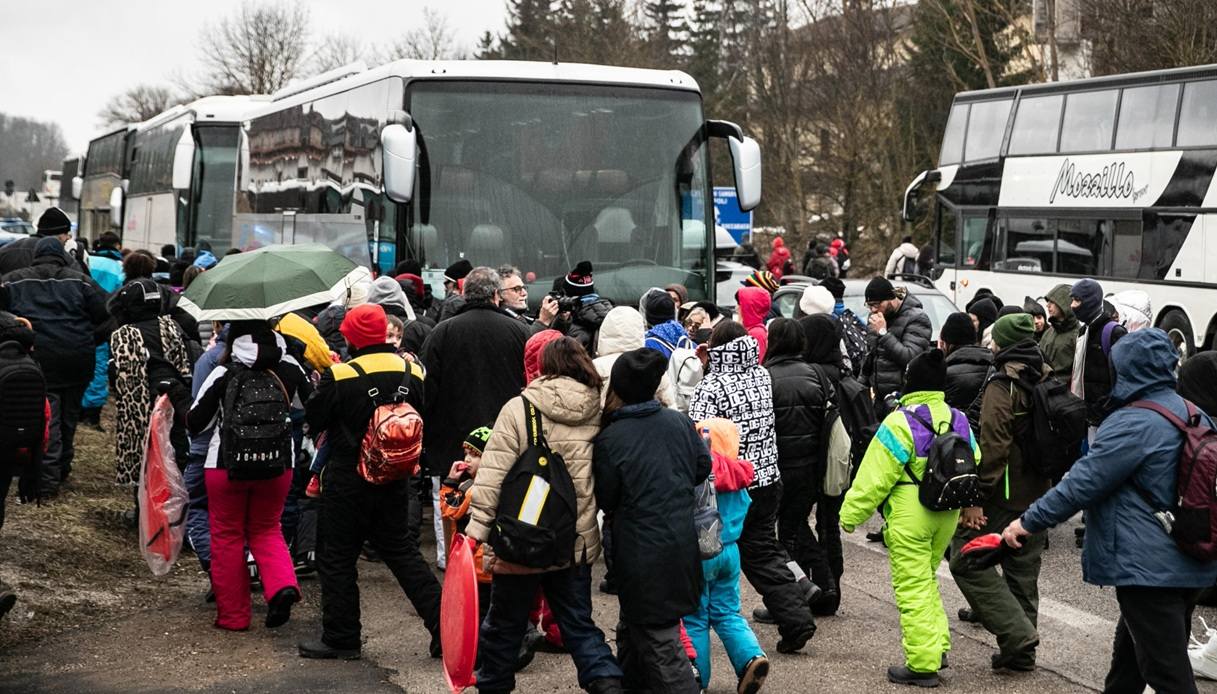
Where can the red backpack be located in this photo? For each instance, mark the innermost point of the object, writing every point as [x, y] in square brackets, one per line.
[393, 442]
[1192, 521]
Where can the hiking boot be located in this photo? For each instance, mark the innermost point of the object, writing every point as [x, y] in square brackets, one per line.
[944, 664]
[828, 603]
[304, 565]
[796, 643]
[761, 616]
[435, 649]
[313, 490]
[321, 651]
[754, 675]
[1020, 662]
[875, 537]
[279, 610]
[605, 685]
[966, 614]
[900, 674]
[7, 599]
[811, 592]
[528, 649]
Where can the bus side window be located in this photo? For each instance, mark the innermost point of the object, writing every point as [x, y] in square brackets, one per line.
[1161, 241]
[1126, 249]
[1026, 246]
[948, 228]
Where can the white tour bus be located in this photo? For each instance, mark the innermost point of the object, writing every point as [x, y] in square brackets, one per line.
[98, 185]
[1110, 178]
[539, 165]
[181, 171]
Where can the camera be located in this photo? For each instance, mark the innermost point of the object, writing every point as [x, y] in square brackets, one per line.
[566, 304]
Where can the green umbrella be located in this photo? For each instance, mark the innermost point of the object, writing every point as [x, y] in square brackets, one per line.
[271, 281]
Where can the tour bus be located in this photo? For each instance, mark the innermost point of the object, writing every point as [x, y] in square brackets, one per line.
[1110, 178]
[99, 191]
[182, 168]
[69, 199]
[538, 165]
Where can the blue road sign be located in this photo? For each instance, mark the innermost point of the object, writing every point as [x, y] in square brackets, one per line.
[729, 216]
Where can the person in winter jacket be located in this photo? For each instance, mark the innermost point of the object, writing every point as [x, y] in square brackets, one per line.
[67, 311]
[198, 523]
[664, 332]
[984, 314]
[763, 279]
[515, 301]
[719, 608]
[1127, 476]
[801, 395]
[148, 349]
[245, 513]
[738, 388]
[753, 305]
[1198, 381]
[353, 510]
[567, 395]
[967, 363]
[1059, 341]
[903, 259]
[1007, 603]
[916, 537]
[647, 461]
[454, 298]
[387, 293]
[1039, 316]
[821, 265]
[1133, 309]
[585, 321]
[20, 254]
[778, 257]
[1092, 373]
[897, 331]
[624, 330]
[106, 268]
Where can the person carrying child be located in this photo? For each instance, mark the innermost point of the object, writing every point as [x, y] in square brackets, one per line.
[719, 608]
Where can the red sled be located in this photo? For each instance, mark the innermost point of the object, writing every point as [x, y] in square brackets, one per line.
[458, 623]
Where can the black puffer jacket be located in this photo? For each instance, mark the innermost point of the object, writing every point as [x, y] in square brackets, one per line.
[908, 334]
[1097, 374]
[799, 397]
[646, 463]
[65, 307]
[967, 368]
[475, 364]
[585, 323]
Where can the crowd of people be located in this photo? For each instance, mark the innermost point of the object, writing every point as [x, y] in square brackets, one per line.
[631, 419]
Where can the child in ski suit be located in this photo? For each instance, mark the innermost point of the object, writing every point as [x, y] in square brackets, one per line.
[720, 603]
[454, 505]
[916, 537]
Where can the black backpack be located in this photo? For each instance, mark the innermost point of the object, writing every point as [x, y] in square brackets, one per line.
[857, 412]
[950, 481]
[1050, 435]
[535, 526]
[256, 429]
[855, 341]
[22, 404]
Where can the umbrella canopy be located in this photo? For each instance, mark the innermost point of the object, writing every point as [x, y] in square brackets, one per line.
[271, 281]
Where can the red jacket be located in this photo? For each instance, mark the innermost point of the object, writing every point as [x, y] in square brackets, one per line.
[778, 258]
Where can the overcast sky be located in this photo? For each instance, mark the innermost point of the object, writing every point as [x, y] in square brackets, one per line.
[61, 61]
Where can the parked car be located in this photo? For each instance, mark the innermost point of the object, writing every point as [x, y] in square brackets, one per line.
[936, 304]
[13, 229]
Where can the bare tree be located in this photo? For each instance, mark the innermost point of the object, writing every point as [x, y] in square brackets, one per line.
[337, 50]
[139, 103]
[434, 40]
[256, 51]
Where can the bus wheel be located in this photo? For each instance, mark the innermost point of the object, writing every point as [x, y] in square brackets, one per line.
[1179, 329]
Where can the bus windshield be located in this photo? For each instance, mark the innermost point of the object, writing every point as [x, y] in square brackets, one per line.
[542, 176]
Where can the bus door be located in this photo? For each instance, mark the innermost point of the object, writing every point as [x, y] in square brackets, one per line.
[963, 248]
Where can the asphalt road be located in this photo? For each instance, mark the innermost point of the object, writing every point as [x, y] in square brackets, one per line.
[151, 651]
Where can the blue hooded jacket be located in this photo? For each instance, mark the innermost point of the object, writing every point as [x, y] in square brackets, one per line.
[671, 333]
[1125, 545]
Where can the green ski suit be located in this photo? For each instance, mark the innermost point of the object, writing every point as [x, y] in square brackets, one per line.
[916, 537]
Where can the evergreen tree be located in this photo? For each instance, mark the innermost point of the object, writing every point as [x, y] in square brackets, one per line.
[530, 27]
[667, 32]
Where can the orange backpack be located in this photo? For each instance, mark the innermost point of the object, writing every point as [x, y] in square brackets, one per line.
[393, 442]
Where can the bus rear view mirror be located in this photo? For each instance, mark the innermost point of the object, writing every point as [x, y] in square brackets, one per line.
[399, 148]
[78, 185]
[116, 206]
[745, 161]
[183, 160]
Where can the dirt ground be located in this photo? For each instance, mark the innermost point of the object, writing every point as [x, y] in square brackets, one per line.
[73, 561]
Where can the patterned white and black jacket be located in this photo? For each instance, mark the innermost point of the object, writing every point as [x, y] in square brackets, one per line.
[739, 389]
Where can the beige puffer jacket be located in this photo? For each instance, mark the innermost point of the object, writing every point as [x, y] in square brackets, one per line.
[623, 330]
[570, 419]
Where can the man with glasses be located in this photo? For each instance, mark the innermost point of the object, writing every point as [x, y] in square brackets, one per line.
[896, 331]
[514, 300]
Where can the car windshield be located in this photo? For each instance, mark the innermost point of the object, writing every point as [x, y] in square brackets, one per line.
[18, 227]
[542, 176]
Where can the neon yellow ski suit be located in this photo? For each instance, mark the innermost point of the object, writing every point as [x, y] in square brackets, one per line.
[916, 537]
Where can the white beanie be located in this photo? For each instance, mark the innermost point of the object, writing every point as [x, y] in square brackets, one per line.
[816, 300]
[358, 293]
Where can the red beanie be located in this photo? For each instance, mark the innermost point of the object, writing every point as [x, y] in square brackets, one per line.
[532, 352]
[364, 325]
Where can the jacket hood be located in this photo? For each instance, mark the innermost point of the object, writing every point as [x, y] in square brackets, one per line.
[593, 311]
[970, 354]
[1144, 362]
[1022, 352]
[387, 292]
[753, 305]
[1059, 295]
[1198, 380]
[260, 351]
[737, 356]
[329, 319]
[622, 330]
[638, 409]
[778, 242]
[1134, 308]
[908, 250]
[670, 332]
[563, 399]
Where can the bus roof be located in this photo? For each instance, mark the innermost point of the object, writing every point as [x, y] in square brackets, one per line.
[219, 109]
[1147, 77]
[503, 70]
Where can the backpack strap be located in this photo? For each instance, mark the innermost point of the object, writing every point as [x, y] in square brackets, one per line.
[1166, 413]
[671, 347]
[1105, 337]
[536, 437]
[373, 392]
